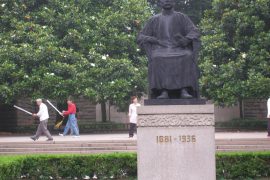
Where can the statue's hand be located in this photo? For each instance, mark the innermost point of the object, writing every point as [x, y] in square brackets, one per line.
[162, 43]
[183, 42]
[152, 40]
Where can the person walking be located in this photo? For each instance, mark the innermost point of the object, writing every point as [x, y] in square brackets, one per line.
[43, 115]
[72, 120]
[268, 116]
[132, 113]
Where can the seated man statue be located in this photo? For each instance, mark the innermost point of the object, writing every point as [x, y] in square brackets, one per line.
[171, 42]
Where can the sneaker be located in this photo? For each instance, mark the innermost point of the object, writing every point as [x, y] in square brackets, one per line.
[61, 134]
[75, 136]
[49, 140]
[34, 139]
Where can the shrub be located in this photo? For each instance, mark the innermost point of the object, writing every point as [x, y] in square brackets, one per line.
[252, 165]
[243, 124]
[10, 167]
[45, 166]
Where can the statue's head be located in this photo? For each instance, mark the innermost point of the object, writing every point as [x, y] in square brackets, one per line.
[167, 4]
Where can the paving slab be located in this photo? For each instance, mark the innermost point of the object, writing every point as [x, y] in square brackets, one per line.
[89, 137]
[124, 137]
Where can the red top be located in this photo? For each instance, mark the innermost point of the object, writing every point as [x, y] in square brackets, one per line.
[71, 109]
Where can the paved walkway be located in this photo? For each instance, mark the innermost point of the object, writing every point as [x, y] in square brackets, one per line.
[105, 137]
[241, 135]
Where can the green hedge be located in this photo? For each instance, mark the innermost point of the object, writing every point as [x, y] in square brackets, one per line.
[118, 165]
[254, 165]
[242, 125]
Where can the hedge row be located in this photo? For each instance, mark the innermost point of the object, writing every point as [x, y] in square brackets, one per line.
[114, 166]
[242, 125]
[249, 165]
[121, 166]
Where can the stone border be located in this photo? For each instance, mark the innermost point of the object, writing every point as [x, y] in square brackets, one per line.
[176, 120]
[176, 109]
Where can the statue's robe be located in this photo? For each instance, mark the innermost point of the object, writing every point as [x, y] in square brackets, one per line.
[171, 67]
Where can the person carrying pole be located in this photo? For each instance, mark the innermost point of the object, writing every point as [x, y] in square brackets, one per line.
[72, 120]
[43, 115]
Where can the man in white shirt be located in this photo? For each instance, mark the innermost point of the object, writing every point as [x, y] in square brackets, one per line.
[43, 115]
[268, 116]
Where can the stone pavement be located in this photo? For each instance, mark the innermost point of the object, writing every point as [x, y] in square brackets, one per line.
[241, 135]
[108, 143]
[121, 137]
[84, 137]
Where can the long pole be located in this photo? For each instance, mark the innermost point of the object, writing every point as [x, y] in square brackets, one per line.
[17, 107]
[54, 107]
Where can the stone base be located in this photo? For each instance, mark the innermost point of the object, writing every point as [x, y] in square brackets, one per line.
[176, 143]
[149, 102]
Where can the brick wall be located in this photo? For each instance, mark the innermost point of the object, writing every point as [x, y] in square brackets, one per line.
[87, 110]
[11, 117]
[7, 117]
[23, 118]
[255, 108]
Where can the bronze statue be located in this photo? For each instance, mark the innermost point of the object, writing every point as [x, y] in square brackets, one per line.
[171, 42]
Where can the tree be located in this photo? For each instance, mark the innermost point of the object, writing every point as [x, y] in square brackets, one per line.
[34, 63]
[56, 48]
[112, 80]
[235, 59]
[118, 68]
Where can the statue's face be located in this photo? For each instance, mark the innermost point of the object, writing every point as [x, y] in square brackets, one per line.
[167, 4]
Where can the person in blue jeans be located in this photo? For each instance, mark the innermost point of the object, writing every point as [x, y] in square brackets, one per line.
[72, 120]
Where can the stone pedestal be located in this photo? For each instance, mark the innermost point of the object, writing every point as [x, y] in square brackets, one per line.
[176, 142]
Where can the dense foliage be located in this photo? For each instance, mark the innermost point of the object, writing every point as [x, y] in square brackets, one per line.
[235, 57]
[122, 166]
[55, 48]
[104, 166]
[252, 165]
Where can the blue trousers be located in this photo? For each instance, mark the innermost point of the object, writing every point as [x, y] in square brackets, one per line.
[71, 124]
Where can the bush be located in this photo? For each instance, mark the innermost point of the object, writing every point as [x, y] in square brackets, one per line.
[45, 166]
[254, 165]
[122, 166]
[243, 125]
[10, 167]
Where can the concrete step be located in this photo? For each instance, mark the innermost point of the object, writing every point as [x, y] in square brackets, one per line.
[68, 152]
[74, 142]
[46, 149]
[243, 147]
[241, 150]
[243, 141]
[100, 146]
[53, 145]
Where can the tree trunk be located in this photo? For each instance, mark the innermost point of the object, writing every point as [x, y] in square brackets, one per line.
[241, 108]
[103, 111]
[109, 111]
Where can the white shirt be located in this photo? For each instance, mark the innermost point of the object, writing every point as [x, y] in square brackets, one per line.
[43, 113]
[132, 113]
[268, 108]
